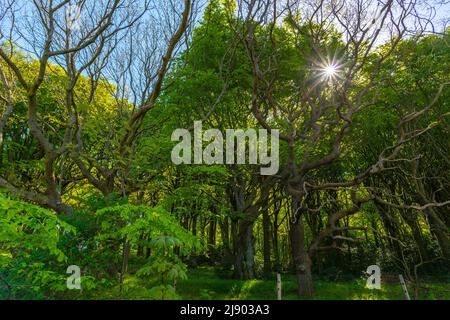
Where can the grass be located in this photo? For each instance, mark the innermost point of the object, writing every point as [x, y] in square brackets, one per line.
[206, 284]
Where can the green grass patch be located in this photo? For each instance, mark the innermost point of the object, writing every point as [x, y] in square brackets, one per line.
[207, 284]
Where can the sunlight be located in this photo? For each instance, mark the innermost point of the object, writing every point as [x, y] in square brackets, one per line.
[330, 70]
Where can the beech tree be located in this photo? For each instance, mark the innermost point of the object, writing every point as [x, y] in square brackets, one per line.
[80, 46]
[316, 104]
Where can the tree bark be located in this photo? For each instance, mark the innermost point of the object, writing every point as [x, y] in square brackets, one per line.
[125, 257]
[244, 264]
[266, 245]
[302, 260]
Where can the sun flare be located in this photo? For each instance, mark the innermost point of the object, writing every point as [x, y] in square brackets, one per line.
[330, 70]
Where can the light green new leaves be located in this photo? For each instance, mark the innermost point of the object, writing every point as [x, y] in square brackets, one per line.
[30, 260]
[130, 222]
[25, 227]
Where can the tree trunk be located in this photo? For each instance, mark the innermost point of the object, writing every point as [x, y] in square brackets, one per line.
[227, 259]
[194, 225]
[125, 257]
[277, 265]
[266, 245]
[302, 261]
[212, 234]
[244, 264]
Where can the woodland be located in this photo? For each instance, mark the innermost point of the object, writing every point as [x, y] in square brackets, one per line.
[92, 91]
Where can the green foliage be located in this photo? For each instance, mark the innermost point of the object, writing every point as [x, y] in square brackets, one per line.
[162, 213]
[163, 292]
[30, 259]
[157, 230]
[130, 221]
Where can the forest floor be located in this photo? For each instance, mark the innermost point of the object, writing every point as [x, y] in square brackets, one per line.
[206, 284]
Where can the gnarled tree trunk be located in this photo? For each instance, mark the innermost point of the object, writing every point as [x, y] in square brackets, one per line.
[302, 261]
[244, 264]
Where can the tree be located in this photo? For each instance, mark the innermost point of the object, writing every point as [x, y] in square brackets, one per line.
[86, 49]
[337, 43]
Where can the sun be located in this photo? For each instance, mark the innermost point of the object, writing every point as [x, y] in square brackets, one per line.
[330, 70]
[327, 69]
